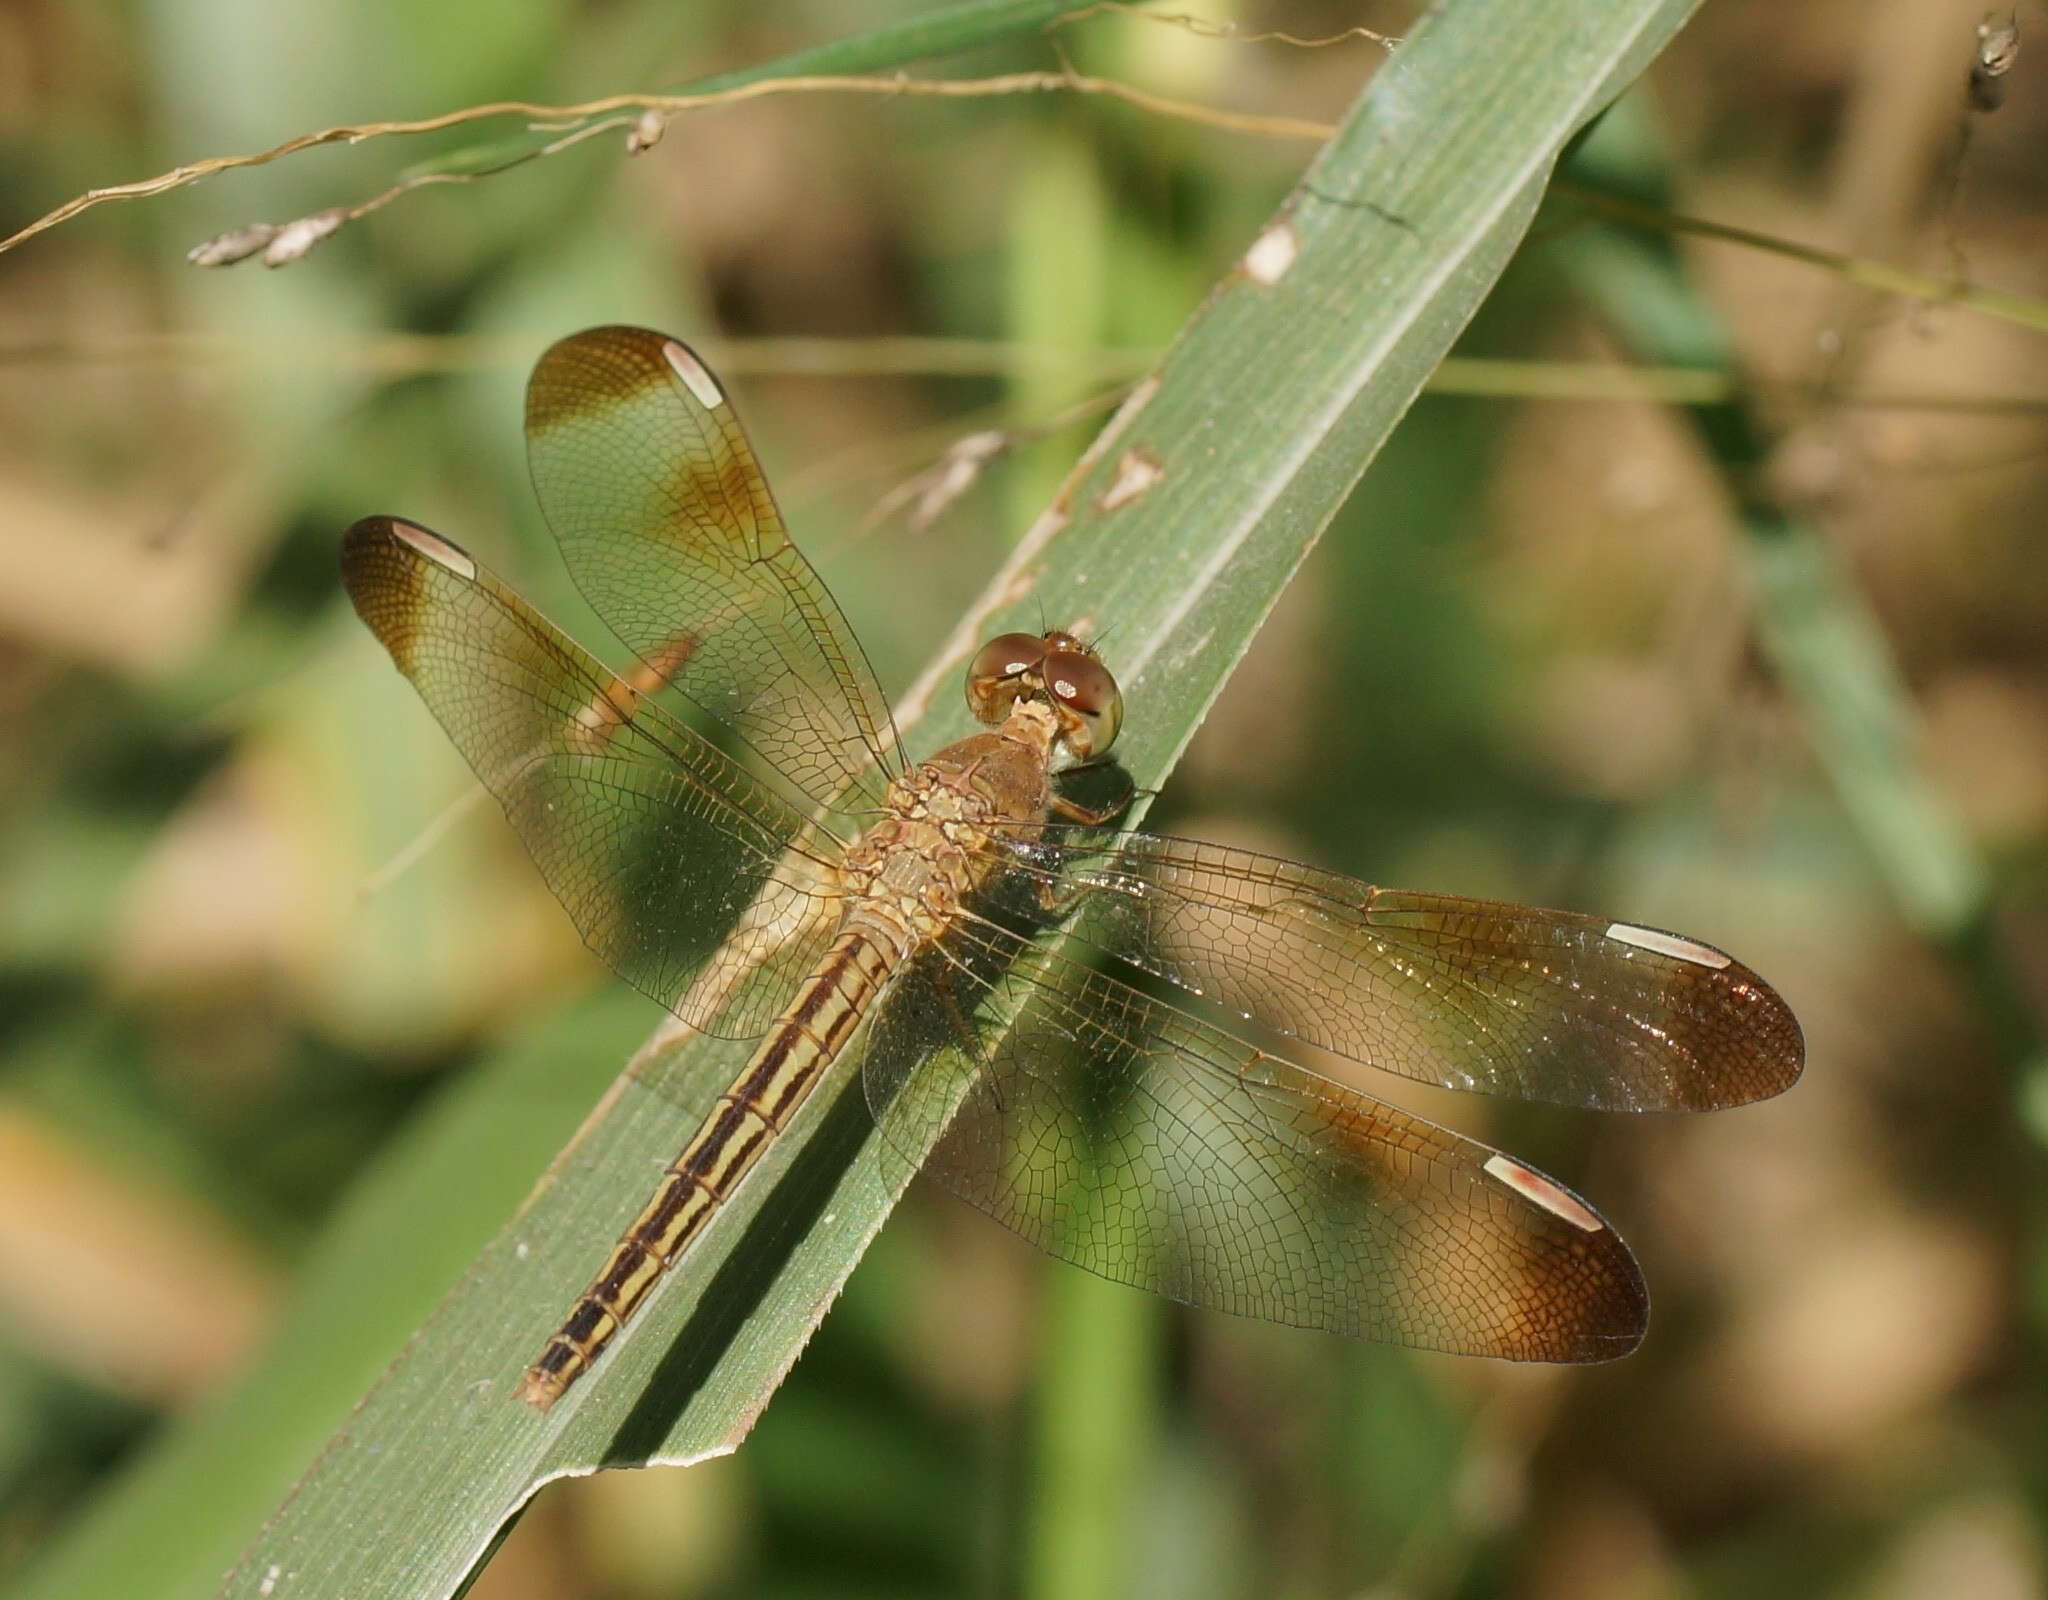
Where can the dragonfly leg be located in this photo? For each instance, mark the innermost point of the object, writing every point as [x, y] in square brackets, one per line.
[964, 1030]
[1071, 810]
[951, 1001]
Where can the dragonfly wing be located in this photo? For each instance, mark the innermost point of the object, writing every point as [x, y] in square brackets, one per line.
[1468, 994]
[1134, 1140]
[653, 840]
[669, 529]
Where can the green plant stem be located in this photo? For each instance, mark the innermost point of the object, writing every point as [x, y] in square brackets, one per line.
[1095, 1417]
[1861, 270]
[1094, 1367]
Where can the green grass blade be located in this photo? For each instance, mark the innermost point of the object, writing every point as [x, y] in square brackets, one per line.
[1265, 413]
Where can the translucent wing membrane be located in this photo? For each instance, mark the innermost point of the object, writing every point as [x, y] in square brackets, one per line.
[653, 840]
[669, 529]
[1104, 1123]
[1133, 1140]
[1469, 994]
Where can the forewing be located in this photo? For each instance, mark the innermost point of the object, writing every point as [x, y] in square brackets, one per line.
[668, 527]
[653, 840]
[1133, 1140]
[1468, 994]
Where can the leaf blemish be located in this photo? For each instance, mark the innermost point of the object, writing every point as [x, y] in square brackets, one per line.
[1137, 471]
[1271, 254]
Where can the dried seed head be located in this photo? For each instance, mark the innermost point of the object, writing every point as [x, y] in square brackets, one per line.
[954, 474]
[1998, 47]
[646, 132]
[237, 244]
[931, 493]
[294, 239]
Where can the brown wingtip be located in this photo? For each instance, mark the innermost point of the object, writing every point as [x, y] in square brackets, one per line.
[386, 565]
[593, 371]
[1785, 1039]
[1607, 1318]
[1618, 1316]
[1614, 1315]
[370, 535]
[1734, 1029]
[1616, 1346]
[1755, 1038]
[1588, 1302]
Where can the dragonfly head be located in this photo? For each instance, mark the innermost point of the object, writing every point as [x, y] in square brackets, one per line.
[1062, 671]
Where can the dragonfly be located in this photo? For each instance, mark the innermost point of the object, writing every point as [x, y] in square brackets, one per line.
[1048, 1015]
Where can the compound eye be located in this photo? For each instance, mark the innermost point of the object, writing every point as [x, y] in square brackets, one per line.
[992, 674]
[1082, 686]
[1007, 656]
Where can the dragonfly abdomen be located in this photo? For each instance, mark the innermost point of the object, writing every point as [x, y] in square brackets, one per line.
[754, 1108]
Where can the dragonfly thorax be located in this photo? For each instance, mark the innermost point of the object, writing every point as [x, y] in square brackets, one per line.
[935, 843]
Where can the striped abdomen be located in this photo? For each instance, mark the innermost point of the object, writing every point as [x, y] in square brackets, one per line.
[754, 1109]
